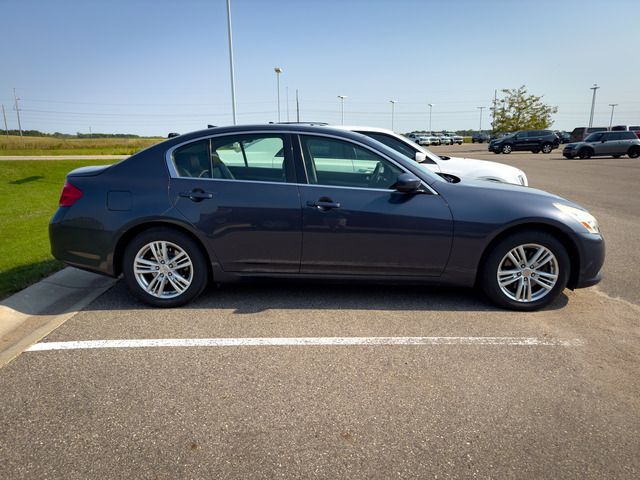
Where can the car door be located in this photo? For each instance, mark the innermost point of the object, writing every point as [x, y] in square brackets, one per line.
[354, 223]
[608, 144]
[239, 191]
[521, 141]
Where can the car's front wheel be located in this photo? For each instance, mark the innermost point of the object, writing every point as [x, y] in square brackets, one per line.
[584, 153]
[164, 267]
[526, 271]
[506, 148]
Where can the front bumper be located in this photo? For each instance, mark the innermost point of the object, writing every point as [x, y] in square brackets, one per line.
[494, 147]
[592, 253]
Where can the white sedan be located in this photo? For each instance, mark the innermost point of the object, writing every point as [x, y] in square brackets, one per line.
[460, 167]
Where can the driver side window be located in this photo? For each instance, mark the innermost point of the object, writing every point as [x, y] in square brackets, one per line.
[343, 164]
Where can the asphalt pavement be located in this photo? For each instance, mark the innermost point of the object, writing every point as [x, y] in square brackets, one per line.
[564, 406]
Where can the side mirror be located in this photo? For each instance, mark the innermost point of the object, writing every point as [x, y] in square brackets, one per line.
[603, 140]
[407, 183]
[420, 157]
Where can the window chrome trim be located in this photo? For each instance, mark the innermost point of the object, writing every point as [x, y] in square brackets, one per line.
[173, 173]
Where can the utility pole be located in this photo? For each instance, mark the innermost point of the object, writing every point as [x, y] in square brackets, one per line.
[287, 103]
[393, 104]
[342, 97]
[90, 132]
[481, 108]
[297, 107]
[6, 128]
[593, 103]
[612, 105]
[233, 81]
[495, 106]
[17, 109]
[278, 71]
[430, 109]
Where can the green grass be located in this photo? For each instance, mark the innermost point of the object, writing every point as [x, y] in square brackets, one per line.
[30, 191]
[13, 145]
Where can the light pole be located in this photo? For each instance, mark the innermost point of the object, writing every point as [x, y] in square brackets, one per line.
[593, 103]
[342, 97]
[612, 105]
[278, 71]
[233, 82]
[430, 109]
[393, 104]
[481, 108]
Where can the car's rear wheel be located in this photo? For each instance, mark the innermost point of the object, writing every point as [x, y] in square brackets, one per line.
[547, 147]
[634, 152]
[164, 267]
[584, 153]
[526, 271]
[506, 148]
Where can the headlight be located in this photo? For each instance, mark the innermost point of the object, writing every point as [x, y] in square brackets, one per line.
[585, 219]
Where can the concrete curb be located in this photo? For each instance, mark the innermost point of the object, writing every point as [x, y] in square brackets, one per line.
[33, 313]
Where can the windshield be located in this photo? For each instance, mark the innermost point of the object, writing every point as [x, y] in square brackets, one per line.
[594, 137]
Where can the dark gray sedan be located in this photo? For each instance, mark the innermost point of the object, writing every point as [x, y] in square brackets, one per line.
[303, 202]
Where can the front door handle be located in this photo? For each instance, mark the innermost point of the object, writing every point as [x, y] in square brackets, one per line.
[323, 204]
[197, 195]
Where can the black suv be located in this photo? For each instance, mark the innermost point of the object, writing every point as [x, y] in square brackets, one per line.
[533, 140]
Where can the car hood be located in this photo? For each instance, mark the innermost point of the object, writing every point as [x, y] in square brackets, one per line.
[480, 169]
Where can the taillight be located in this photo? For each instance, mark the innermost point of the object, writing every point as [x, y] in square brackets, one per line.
[70, 195]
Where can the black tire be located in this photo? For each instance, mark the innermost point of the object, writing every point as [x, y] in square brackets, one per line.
[535, 151]
[570, 157]
[489, 280]
[585, 153]
[199, 274]
[547, 148]
[506, 148]
[634, 152]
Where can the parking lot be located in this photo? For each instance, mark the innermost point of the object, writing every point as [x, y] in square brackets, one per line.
[466, 390]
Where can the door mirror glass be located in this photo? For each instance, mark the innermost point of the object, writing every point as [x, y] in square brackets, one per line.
[407, 183]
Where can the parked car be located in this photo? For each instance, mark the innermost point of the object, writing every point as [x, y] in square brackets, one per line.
[565, 137]
[434, 139]
[534, 140]
[421, 138]
[467, 168]
[580, 133]
[304, 202]
[480, 137]
[445, 139]
[635, 129]
[600, 144]
[455, 138]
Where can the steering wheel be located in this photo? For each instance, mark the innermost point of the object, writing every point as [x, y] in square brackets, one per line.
[377, 177]
[204, 174]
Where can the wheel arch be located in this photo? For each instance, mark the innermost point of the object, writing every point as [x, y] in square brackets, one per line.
[558, 233]
[134, 230]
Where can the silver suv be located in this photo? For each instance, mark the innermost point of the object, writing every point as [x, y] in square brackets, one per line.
[601, 144]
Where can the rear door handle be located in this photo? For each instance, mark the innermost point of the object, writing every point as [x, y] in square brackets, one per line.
[197, 195]
[323, 204]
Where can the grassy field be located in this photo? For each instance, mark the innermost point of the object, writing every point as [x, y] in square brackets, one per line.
[30, 191]
[15, 145]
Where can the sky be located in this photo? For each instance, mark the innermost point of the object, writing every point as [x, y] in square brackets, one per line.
[154, 67]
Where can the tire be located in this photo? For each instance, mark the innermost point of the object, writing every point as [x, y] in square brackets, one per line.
[617, 156]
[570, 157]
[506, 149]
[585, 153]
[547, 147]
[634, 152]
[535, 151]
[498, 259]
[177, 285]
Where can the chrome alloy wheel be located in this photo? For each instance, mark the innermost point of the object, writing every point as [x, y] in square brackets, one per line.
[528, 273]
[163, 269]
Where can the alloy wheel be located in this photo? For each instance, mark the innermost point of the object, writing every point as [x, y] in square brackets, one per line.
[528, 272]
[163, 269]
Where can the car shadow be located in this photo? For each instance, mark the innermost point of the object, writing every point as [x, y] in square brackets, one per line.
[251, 298]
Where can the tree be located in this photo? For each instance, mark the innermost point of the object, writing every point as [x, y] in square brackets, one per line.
[518, 110]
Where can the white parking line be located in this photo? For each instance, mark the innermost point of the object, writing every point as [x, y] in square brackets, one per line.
[303, 341]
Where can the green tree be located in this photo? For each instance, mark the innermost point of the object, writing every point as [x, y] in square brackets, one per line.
[518, 110]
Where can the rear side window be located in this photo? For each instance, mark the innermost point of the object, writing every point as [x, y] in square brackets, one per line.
[233, 157]
[628, 136]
